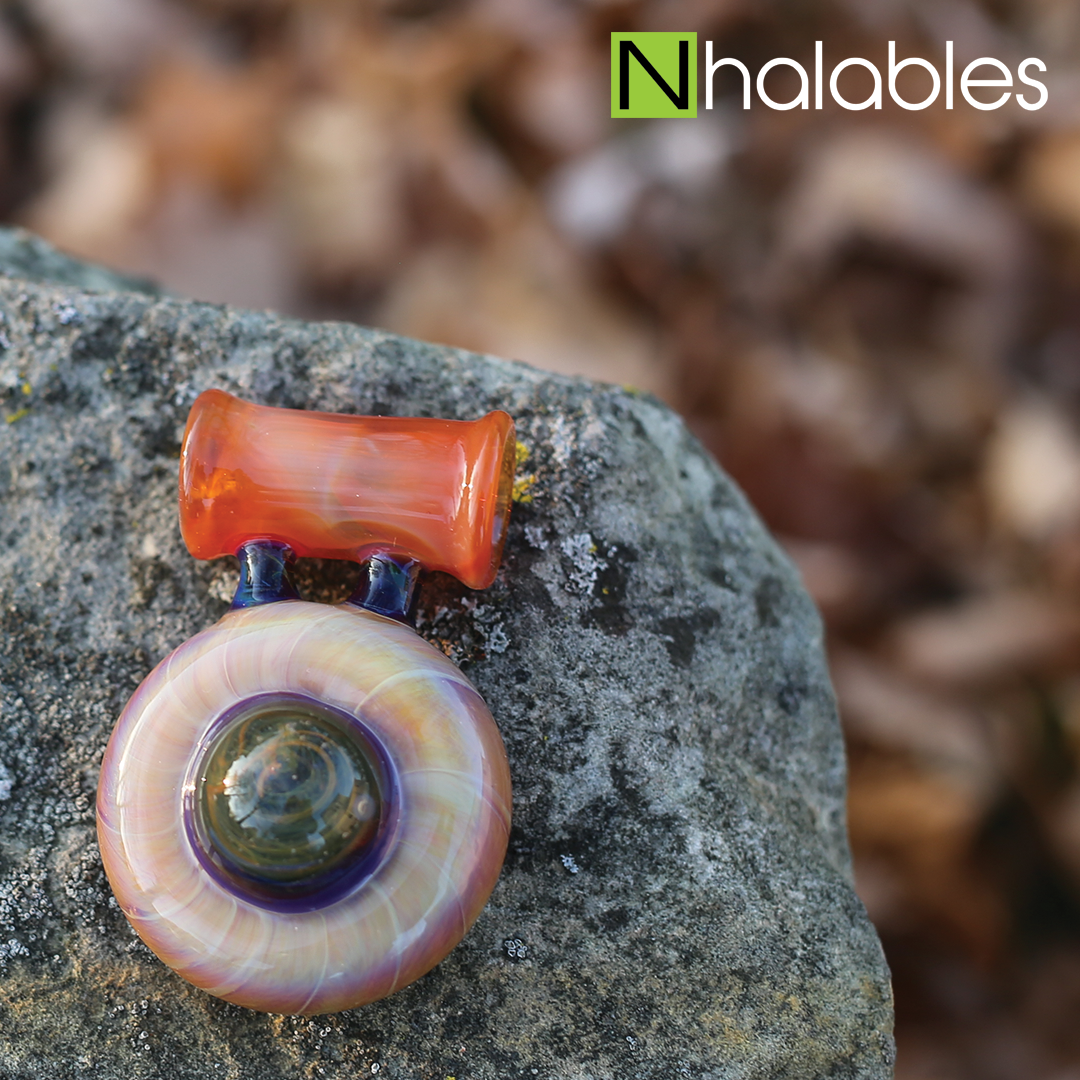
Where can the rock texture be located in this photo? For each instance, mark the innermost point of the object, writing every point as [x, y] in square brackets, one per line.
[677, 897]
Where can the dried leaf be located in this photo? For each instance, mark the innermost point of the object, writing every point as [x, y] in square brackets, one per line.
[987, 639]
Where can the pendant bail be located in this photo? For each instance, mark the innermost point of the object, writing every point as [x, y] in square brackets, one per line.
[387, 586]
[264, 574]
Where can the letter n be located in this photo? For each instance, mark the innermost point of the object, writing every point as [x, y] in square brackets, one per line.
[644, 88]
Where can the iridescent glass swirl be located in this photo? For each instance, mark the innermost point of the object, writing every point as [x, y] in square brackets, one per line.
[425, 871]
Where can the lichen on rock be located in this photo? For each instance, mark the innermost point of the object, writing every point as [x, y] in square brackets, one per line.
[677, 897]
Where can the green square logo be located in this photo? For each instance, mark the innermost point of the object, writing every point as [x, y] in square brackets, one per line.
[653, 75]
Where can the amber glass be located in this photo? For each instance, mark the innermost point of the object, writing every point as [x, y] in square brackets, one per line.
[347, 487]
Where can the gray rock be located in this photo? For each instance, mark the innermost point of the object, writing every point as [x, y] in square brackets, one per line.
[24, 255]
[677, 897]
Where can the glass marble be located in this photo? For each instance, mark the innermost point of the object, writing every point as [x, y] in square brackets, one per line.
[287, 797]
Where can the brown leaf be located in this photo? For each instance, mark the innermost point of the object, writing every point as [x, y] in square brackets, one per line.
[987, 639]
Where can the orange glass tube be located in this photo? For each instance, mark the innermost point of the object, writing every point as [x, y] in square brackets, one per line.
[347, 487]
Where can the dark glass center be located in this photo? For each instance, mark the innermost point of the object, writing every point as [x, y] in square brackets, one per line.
[287, 797]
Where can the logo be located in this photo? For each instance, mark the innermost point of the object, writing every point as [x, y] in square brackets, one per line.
[653, 75]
